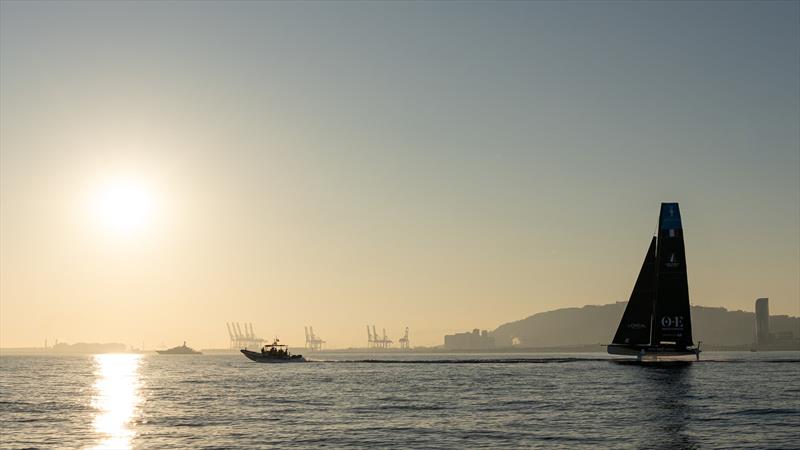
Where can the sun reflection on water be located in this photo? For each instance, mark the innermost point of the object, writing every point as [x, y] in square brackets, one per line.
[116, 399]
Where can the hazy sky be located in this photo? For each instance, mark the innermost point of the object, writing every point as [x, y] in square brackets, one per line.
[442, 166]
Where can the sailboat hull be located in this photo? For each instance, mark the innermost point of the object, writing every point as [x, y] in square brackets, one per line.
[655, 353]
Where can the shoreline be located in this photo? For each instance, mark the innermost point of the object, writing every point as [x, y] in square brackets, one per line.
[423, 350]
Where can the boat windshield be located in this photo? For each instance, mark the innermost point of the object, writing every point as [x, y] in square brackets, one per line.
[275, 350]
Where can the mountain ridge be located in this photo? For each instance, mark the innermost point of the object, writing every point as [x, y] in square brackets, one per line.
[596, 324]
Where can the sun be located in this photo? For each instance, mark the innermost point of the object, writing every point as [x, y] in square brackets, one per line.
[124, 205]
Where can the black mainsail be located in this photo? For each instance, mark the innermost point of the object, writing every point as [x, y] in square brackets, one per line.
[657, 318]
[672, 324]
[634, 328]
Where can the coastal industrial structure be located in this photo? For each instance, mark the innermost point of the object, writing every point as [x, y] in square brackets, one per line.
[404, 342]
[377, 342]
[313, 342]
[476, 340]
[243, 339]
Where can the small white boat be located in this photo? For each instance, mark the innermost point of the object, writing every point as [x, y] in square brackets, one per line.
[179, 350]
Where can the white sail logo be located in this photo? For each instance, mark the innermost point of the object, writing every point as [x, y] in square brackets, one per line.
[669, 322]
[672, 261]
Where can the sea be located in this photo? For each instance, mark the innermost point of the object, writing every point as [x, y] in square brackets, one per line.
[394, 400]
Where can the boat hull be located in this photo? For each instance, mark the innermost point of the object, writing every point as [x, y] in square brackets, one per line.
[260, 358]
[655, 353]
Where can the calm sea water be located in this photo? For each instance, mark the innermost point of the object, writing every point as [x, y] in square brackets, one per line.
[433, 401]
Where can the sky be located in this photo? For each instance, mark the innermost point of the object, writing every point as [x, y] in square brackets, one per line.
[167, 167]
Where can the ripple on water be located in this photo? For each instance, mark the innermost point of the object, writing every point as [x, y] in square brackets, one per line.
[211, 401]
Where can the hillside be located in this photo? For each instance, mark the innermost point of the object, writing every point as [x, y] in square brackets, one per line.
[596, 324]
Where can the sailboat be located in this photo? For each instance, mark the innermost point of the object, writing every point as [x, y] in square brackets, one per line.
[657, 323]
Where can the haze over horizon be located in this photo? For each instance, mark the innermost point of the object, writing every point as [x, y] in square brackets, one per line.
[167, 167]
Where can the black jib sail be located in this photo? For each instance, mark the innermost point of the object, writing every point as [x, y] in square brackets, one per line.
[672, 323]
[634, 328]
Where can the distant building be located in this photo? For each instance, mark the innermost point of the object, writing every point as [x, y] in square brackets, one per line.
[782, 336]
[477, 340]
[762, 322]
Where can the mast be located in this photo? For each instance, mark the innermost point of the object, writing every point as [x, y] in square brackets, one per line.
[655, 289]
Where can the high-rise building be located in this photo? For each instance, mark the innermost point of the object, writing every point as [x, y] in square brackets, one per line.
[762, 321]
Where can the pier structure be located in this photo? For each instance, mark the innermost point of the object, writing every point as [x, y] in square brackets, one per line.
[404, 342]
[374, 340]
[243, 339]
[313, 342]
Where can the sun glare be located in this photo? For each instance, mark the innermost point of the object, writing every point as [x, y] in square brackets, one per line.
[124, 206]
[116, 399]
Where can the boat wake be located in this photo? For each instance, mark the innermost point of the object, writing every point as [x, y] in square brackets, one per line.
[547, 361]
[460, 361]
